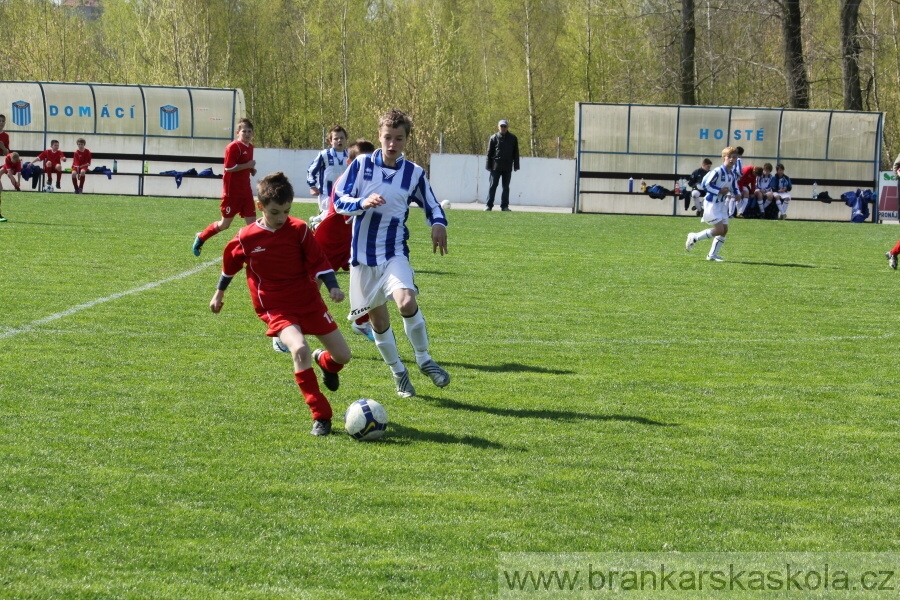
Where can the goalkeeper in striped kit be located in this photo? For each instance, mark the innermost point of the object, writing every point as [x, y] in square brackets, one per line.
[720, 185]
[377, 190]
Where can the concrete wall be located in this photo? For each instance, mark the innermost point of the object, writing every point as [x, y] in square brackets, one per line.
[462, 178]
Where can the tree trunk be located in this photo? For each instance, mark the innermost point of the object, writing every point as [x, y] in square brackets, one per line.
[795, 66]
[850, 54]
[688, 42]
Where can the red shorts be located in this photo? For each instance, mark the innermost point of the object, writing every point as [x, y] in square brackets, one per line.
[310, 323]
[241, 205]
[80, 168]
[50, 165]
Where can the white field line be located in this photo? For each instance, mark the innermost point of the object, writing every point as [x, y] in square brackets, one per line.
[71, 311]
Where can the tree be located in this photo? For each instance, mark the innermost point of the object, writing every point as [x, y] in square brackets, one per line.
[688, 42]
[794, 64]
[850, 54]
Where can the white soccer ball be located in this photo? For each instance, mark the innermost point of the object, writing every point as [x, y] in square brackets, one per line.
[48, 188]
[445, 204]
[365, 420]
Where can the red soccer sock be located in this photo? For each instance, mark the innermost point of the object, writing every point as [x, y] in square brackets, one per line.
[896, 249]
[211, 230]
[315, 399]
[58, 179]
[328, 363]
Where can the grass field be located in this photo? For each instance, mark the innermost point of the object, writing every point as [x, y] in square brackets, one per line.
[610, 393]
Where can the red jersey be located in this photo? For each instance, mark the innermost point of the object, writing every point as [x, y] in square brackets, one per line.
[81, 158]
[12, 167]
[51, 156]
[282, 266]
[747, 179]
[335, 234]
[237, 185]
[4, 138]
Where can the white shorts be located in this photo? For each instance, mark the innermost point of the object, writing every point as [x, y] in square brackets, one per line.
[715, 212]
[783, 196]
[373, 286]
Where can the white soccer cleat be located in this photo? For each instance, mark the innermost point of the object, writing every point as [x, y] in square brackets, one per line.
[690, 242]
[439, 376]
[278, 346]
[892, 260]
[715, 257]
[405, 387]
[363, 329]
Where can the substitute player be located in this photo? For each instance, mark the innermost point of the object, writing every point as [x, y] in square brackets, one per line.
[81, 164]
[283, 262]
[237, 193]
[377, 192]
[325, 169]
[720, 185]
[50, 160]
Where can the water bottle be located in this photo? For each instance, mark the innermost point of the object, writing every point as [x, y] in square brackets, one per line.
[643, 186]
[630, 185]
[146, 167]
[815, 190]
[115, 166]
[678, 187]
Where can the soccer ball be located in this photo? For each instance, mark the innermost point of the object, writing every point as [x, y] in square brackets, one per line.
[445, 204]
[365, 420]
[48, 188]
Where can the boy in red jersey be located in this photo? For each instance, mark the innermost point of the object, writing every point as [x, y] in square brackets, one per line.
[335, 233]
[237, 193]
[50, 160]
[12, 165]
[283, 262]
[81, 164]
[4, 137]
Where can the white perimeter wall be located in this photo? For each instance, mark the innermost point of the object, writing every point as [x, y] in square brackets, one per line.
[462, 178]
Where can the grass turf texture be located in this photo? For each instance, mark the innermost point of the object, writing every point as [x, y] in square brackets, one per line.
[610, 393]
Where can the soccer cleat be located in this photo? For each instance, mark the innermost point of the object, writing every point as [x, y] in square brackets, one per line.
[892, 259]
[198, 245]
[278, 345]
[405, 387]
[332, 380]
[2, 219]
[488, 208]
[321, 427]
[715, 257]
[363, 329]
[690, 242]
[505, 210]
[439, 376]
[58, 186]
[781, 217]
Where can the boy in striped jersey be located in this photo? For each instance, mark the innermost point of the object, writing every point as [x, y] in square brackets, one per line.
[720, 185]
[377, 191]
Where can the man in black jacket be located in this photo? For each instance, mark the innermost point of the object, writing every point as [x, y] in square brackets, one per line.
[502, 160]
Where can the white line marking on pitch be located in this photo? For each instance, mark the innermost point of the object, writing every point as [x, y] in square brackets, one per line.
[71, 311]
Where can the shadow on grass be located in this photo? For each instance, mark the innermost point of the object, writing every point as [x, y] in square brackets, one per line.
[773, 264]
[511, 368]
[543, 413]
[402, 434]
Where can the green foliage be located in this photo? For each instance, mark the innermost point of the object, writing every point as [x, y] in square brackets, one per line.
[456, 66]
[610, 393]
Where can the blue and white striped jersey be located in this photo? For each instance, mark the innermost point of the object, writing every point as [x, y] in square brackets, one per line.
[764, 182]
[719, 183]
[380, 233]
[324, 170]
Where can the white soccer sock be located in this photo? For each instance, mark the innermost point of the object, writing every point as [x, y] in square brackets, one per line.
[783, 206]
[387, 346]
[414, 327]
[716, 245]
[742, 205]
[706, 233]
